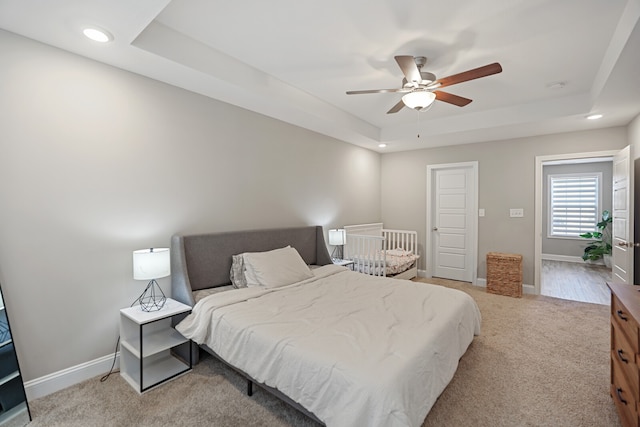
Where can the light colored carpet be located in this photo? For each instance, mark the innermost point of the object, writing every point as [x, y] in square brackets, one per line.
[539, 361]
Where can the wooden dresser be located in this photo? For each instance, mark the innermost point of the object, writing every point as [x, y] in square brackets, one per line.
[625, 351]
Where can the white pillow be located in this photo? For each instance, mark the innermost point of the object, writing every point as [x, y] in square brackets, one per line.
[278, 267]
[249, 277]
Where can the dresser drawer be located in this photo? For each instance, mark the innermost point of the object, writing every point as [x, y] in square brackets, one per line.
[623, 400]
[626, 323]
[623, 359]
[625, 354]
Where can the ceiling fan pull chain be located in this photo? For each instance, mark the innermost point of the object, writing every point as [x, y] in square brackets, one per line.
[418, 112]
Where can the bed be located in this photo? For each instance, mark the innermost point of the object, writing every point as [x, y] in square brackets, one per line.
[378, 251]
[342, 347]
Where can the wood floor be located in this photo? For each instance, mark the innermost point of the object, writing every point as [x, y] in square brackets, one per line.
[575, 281]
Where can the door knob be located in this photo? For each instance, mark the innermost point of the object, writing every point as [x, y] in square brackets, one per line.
[435, 229]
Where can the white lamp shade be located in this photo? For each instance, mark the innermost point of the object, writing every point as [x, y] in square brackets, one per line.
[419, 100]
[152, 263]
[336, 237]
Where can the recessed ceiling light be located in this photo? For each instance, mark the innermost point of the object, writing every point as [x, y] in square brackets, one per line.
[97, 34]
[382, 145]
[594, 117]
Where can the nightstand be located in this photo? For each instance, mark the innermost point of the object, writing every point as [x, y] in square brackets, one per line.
[148, 345]
[343, 262]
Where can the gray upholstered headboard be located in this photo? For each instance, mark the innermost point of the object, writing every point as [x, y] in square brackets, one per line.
[201, 261]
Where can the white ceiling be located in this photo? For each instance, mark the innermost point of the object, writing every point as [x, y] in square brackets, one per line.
[293, 60]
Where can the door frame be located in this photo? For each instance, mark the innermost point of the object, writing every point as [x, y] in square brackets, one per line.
[473, 226]
[539, 215]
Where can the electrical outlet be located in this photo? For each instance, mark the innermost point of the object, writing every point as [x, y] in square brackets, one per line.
[516, 213]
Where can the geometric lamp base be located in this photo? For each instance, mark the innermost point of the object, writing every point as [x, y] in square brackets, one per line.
[337, 252]
[152, 299]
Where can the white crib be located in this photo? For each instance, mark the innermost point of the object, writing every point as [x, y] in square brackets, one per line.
[381, 252]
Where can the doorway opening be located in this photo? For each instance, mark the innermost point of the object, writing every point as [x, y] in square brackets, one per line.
[560, 270]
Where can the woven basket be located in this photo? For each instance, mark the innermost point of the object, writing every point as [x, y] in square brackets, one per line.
[504, 274]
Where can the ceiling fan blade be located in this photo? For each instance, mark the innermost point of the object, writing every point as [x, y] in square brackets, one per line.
[451, 98]
[465, 76]
[360, 92]
[409, 68]
[396, 107]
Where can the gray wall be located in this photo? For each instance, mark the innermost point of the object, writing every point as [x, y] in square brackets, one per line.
[97, 162]
[568, 246]
[506, 180]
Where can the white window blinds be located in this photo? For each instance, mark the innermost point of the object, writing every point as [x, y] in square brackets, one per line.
[574, 204]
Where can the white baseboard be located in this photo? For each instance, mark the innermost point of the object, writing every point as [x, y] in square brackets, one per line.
[565, 258]
[51, 383]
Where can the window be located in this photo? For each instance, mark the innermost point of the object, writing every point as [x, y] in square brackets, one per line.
[574, 204]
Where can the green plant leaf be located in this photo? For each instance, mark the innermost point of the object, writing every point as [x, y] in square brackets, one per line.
[601, 239]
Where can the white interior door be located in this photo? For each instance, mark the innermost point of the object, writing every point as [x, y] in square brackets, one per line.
[452, 223]
[622, 233]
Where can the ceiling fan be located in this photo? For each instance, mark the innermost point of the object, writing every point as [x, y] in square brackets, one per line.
[421, 87]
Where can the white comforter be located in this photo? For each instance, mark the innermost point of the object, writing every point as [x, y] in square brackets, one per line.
[353, 349]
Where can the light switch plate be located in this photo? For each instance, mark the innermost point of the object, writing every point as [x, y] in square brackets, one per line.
[480, 212]
[516, 213]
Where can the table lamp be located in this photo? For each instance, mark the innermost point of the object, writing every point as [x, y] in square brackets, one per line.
[151, 264]
[337, 239]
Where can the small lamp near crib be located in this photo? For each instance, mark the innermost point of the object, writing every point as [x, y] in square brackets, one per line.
[337, 238]
[151, 264]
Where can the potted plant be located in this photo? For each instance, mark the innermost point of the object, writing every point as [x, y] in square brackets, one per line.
[600, 247]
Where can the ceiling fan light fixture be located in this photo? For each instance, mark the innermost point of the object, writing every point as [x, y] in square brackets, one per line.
[419, 100]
